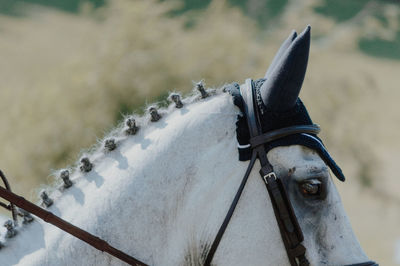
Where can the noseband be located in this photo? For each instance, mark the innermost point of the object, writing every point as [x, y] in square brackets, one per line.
[289, 228]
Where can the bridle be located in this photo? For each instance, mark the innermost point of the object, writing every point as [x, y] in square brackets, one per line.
[290, 230]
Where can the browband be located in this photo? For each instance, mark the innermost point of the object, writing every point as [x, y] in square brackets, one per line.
[283, 132]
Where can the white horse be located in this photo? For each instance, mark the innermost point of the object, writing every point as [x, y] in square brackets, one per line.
[162, 194]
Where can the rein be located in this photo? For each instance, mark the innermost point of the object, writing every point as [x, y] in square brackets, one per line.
[49, 217]
[11, 206]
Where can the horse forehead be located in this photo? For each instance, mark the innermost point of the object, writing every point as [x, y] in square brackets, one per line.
[295, 156]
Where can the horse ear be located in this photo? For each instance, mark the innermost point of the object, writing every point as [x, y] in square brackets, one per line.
[278, 55]
[281, 90]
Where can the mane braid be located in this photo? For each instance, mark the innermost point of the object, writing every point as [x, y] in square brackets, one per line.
[116, 136]
[66, 177]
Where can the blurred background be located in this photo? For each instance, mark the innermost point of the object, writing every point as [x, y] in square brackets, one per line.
[70, 70]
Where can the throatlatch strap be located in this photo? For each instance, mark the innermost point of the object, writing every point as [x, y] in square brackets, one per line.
[232, 208]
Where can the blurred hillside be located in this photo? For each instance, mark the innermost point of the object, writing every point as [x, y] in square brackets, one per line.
[71, 69]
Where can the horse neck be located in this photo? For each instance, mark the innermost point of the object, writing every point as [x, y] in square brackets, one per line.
[161, 196]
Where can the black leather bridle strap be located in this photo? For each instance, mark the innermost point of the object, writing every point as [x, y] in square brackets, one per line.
[11, 206]
[283, 132]
[290, 230]
[228, 216]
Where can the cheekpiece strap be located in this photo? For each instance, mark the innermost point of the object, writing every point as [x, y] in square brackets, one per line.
[289, 227]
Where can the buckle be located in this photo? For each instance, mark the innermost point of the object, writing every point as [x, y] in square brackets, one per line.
[272, 174]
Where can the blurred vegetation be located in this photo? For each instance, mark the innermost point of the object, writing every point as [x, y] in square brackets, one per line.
[71, 69]
[15, 7]
[381, 48]
[340, 10]
[111, 58]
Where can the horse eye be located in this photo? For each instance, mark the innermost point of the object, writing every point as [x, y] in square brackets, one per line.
[311, 187]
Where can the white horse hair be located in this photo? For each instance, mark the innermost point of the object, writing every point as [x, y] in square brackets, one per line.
[162, 194]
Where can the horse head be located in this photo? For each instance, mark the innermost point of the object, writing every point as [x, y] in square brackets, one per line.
[300, 159]
[161, 188]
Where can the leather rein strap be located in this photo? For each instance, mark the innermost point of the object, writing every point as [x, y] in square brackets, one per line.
[83, 235]
[290, 230]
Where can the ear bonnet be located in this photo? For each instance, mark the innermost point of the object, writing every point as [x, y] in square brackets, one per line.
[279, 104]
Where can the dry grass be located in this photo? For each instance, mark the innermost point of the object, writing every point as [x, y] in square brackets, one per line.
[66, 78]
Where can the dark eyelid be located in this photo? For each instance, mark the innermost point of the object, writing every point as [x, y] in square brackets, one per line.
[313, 181]
[322, 179]
[320, 173]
